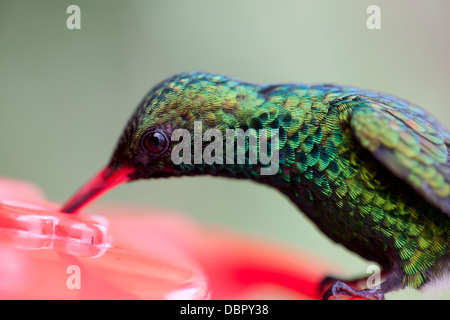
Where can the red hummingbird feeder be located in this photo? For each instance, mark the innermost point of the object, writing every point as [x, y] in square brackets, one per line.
[125, 252]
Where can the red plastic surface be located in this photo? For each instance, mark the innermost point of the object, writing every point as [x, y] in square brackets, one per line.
[124, 252]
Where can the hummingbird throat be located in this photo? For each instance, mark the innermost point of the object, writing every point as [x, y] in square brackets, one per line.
[229, 147]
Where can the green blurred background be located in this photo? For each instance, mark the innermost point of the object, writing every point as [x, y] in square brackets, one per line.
[65, 95]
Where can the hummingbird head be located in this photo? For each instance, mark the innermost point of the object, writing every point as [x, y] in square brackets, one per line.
[144, 150]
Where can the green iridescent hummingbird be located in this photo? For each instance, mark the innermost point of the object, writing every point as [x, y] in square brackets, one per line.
[372, 171]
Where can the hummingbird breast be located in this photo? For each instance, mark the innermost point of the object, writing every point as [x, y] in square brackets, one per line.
[357, 202]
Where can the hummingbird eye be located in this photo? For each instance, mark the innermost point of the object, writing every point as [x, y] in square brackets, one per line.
[155, 142]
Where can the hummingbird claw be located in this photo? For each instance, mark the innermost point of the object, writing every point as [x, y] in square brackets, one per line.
[326, 283]
[340, 288]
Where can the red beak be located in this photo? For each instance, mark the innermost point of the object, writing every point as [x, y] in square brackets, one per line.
[103, 181]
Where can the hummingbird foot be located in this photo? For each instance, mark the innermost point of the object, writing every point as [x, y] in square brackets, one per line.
[340, 288]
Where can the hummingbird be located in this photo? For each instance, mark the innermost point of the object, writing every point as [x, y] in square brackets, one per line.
[370, 170]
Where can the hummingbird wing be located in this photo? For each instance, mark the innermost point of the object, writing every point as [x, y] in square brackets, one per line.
[408, 141]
